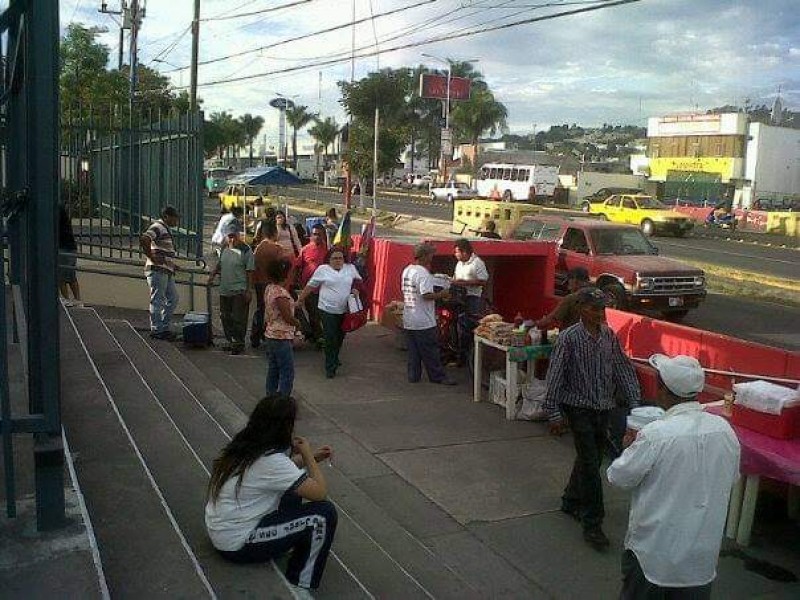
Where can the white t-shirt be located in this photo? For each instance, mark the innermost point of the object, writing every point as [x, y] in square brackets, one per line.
[418, 313]
[334, 287]
[232, 518]
[219, 236]
[474, 268]
[681, 469]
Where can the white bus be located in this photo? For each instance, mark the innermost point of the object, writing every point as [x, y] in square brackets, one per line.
[517, 182]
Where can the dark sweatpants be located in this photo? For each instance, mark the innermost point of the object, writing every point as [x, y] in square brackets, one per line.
[233, 314]
[334, 338]
[304, 529]
[584, 492]
[257, 327]
[423, 349]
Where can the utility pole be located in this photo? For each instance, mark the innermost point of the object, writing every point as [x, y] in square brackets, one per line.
[195, 52]
[125, 19]
[375, 163]
[134, 15]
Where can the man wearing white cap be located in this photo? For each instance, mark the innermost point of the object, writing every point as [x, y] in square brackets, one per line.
[681, 469]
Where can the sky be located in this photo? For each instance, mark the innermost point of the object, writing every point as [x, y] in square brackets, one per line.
[620, 64]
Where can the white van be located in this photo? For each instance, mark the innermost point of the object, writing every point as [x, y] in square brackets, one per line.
[509, 182]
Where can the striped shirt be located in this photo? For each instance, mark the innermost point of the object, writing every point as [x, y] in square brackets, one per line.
[162, 245]
[586, 371]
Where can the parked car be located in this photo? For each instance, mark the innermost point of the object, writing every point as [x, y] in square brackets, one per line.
[603, 193]
[621, 261]
[452, 190]
[645, 211]
[421, 181]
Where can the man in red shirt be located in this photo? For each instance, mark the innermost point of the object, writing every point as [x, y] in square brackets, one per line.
[312, 255]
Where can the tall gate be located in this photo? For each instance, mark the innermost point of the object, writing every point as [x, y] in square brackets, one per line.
[118, 171]
[28, 216]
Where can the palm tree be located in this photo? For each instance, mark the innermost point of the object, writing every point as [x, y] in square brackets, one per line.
[324, 133]
[297, 116]
[251, 126]
[478, 115]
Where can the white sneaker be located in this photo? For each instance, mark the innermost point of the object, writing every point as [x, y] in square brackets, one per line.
[301, 593]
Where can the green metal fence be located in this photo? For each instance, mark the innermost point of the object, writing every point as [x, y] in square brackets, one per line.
[119, 170]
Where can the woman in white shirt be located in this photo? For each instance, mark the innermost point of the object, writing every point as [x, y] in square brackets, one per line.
[255, 510]
[334, 281]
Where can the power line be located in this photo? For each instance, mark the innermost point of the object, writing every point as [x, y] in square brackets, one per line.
[441, 38]
[305, 35]
[256, 12]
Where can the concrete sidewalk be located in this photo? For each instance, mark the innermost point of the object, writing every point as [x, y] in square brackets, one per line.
[480, 492]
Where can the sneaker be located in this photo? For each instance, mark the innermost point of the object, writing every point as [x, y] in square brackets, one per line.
[447, 381]
[236, 351]
[596, 538]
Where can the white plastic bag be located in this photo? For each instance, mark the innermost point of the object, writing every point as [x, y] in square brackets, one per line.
[531, 405]
[765, 397]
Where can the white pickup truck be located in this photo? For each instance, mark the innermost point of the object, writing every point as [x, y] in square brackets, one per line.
[452, 190]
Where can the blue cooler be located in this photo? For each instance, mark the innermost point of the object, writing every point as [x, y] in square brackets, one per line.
[197, 329]
[311, 221]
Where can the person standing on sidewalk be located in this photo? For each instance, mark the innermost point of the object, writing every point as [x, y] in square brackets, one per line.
[235, 268]
[568, 311]
[335, 281]
[681, 469]
[280, 327]
[419, 318]
[67, 275]
[254, 509]
[159, 248]
[586, 367]
[472, 274]
[267, 252]
[311, 257]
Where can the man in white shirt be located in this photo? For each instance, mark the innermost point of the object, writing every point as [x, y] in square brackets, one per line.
[470, 273]
[419, 318]
[681, 469]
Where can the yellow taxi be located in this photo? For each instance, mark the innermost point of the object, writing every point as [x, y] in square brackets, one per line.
[240, 194]
[649, 214]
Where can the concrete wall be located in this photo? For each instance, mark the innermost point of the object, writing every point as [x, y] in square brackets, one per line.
[772, 163]
[589, 182]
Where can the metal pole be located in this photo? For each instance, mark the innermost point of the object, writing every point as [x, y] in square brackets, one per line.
[375, 163]
[446, 125]
[121, 45]
[134, 51]
[42, 219]
[195, 53]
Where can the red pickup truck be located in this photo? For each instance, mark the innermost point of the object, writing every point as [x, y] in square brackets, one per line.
[620, 260]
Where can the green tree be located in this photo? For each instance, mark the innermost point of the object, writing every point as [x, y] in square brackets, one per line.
[251, 126]
[297, 116]
[481, 114]
[324, 132]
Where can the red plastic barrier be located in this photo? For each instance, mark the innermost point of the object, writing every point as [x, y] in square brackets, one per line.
[698, 213]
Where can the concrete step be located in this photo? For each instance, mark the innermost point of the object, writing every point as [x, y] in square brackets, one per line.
[143, 551]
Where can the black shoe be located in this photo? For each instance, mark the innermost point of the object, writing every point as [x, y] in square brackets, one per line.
[236, 351]
[572, 511]
[596, 538]
[330, 375]
[169, 336]
[254, 344]
[446, 381]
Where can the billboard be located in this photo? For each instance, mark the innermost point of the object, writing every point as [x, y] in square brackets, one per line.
[435, 86]
[725, 167]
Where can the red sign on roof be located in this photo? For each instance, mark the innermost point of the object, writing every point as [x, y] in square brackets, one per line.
[435, 86]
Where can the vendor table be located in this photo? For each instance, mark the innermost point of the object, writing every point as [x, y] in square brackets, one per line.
[514, 356]
[762, 456]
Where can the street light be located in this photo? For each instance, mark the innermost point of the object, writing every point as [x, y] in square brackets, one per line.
[446, 110]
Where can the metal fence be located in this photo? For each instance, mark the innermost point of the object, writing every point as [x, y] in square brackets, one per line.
[118, 170]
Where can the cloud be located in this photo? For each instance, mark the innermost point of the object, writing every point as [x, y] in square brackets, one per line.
[617, 65]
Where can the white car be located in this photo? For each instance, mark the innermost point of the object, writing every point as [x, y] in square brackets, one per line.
[421, 181]
[452, 190]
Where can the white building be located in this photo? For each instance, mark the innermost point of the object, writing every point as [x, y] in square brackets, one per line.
[772, 163]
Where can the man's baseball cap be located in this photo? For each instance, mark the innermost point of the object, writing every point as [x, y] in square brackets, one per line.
[682, 374]
[591, 296]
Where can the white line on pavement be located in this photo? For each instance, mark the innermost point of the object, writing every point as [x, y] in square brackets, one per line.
[739, 254]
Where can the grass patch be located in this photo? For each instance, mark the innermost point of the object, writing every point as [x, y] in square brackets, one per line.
[736, 282]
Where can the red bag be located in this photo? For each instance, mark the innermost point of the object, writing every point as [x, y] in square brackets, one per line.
[354, 320]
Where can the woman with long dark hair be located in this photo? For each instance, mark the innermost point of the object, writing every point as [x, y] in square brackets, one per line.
[335, 281]
[255, 510]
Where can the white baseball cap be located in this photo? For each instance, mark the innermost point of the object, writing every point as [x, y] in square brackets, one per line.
[682, 374]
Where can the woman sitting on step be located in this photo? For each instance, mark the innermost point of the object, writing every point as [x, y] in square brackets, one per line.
[255, 510]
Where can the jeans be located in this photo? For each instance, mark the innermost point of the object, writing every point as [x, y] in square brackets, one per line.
[163, 299]
[635, 585]
[280, 366]
[467, 321]
[334, 337]
[423, 349]
[257, 327]
[584, 491]
[233, 313]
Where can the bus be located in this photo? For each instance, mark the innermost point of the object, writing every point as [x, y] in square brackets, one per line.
[501, 181]
[216, 179]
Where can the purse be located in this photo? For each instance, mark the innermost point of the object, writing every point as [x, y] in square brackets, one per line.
[356, 316]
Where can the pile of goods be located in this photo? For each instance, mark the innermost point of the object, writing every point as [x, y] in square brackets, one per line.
[392, 316]
[517, 334]
[494, 329]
